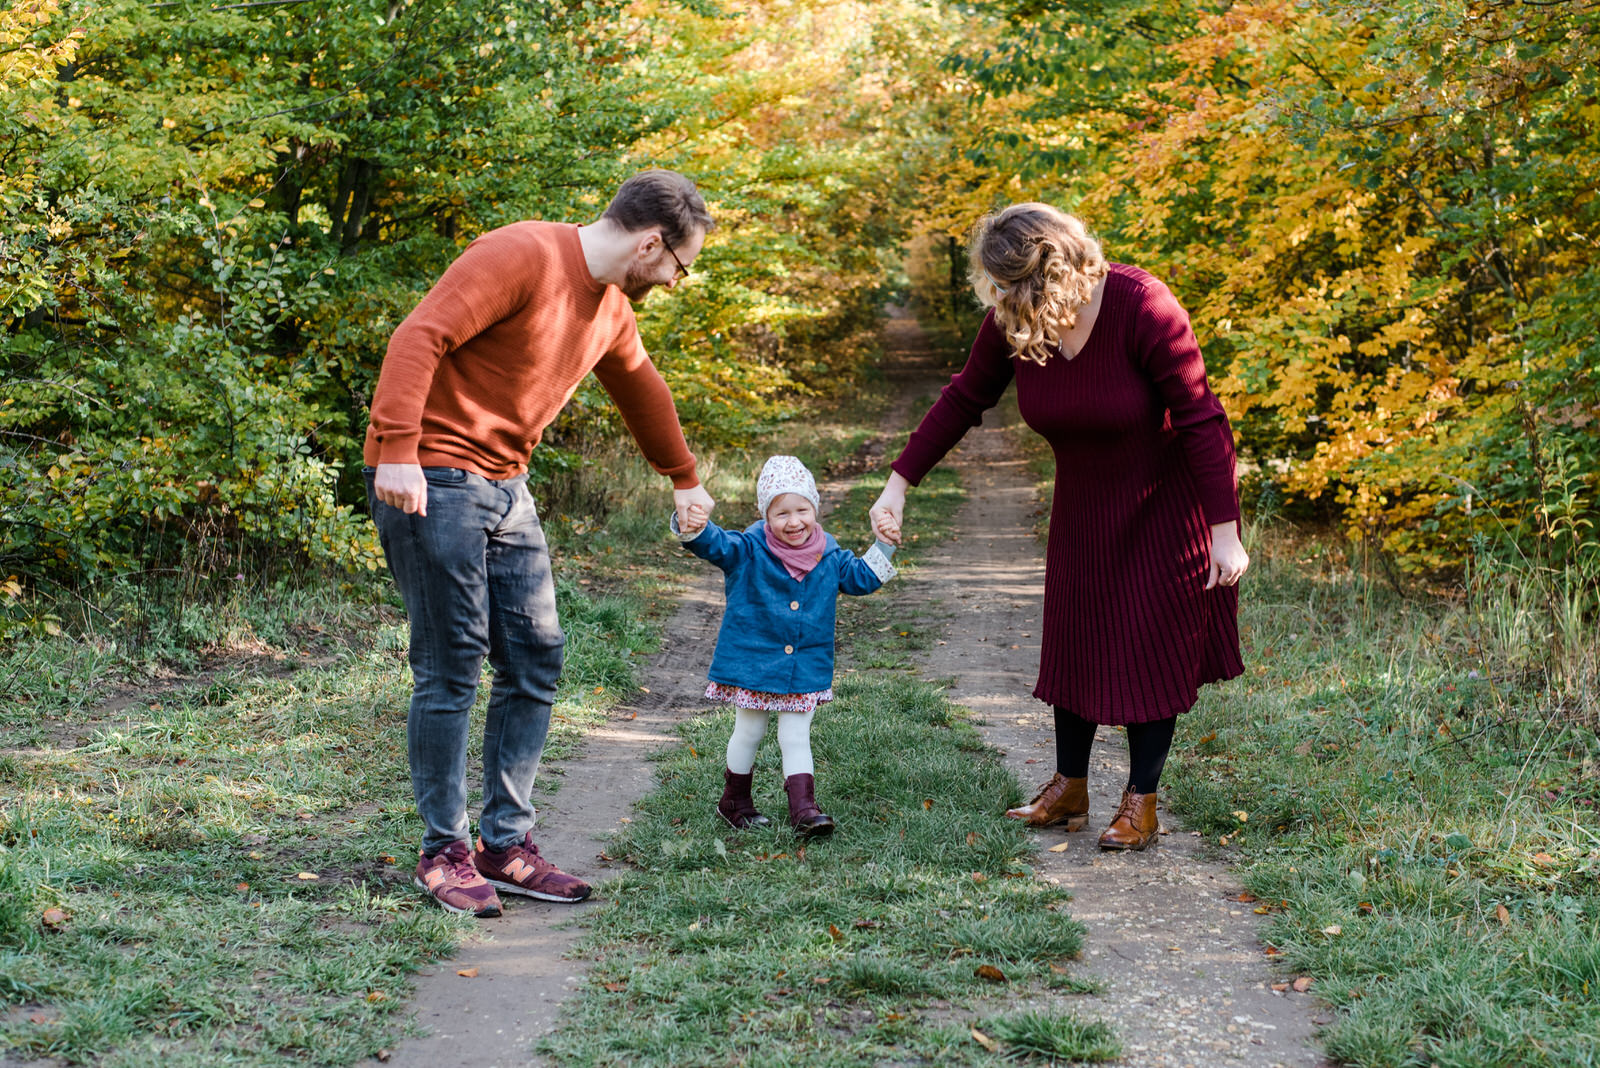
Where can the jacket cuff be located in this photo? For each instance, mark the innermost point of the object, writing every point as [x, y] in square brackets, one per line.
[879, 563]
[677, 531]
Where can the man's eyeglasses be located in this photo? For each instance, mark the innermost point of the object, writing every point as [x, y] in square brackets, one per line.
[682, 272]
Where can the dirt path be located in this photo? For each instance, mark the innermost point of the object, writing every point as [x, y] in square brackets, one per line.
[1186, 980]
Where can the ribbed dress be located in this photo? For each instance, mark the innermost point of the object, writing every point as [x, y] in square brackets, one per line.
[1144, 464]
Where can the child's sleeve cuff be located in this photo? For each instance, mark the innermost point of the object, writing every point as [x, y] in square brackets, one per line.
[876, 559]
[677, 531]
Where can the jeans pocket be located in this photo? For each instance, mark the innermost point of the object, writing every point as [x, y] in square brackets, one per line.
[444, 476]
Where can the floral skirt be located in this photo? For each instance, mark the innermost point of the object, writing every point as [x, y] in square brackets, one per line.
[762, 701]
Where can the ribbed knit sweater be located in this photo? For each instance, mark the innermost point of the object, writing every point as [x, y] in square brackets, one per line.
[1144, 465]
[487, 360]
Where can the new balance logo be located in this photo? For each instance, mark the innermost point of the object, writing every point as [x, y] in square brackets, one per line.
[518, 870]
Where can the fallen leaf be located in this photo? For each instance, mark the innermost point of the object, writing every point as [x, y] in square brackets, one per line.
[979, 877]
[1303, 749]
[1502, 914]
[927, 802]
[835, 934]
[1333, 929]
[1271, 951]
[1302, 984]
[55, 918]
[1059, 970]
[377, 995]
[1365, 908]
[241, 887]
[1060, 847]
[38, 1018]
[1280, 987]
[385, 1054]
[692, 752]
[991, 973]
[985, 1041]
[972, 838]
[1208, 738]
[387, 858]
[823, 980]
[1543, 859]
[467, 973]
[307, 875]
[1261, 910]
[616, 988]
[1245, 896]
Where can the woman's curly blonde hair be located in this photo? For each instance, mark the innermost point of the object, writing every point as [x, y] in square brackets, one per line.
[1035, 266]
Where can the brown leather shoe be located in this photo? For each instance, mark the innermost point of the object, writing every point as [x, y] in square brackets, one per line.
[1061, 801]
[1135, 825]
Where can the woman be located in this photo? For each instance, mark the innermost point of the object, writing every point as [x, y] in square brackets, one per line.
[1140, 604]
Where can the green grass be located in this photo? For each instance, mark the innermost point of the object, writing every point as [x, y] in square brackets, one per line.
[724, 945]
[174, 835]
[1417, 819]
[1053, 1037]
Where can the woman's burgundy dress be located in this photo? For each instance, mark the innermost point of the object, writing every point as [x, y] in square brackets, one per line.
[1144, 464]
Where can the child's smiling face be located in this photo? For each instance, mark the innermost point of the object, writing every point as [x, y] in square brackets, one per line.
[792, 518]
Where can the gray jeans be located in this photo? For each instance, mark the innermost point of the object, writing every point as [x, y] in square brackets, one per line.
[475, 576]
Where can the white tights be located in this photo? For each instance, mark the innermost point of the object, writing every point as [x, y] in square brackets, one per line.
[794, 740]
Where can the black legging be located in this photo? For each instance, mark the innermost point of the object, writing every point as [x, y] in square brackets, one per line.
[1147, 749]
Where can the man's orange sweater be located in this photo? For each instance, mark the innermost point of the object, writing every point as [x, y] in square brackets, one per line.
[497, 348]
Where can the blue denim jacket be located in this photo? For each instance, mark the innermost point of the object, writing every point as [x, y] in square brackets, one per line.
[777, 632]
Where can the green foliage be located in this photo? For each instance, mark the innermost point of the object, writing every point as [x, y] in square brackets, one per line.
[212, 218]
[1378, 214]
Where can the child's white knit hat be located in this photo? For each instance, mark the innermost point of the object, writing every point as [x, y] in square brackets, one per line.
[784, 474]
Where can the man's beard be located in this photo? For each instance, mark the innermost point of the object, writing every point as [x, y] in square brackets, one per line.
[635, 286]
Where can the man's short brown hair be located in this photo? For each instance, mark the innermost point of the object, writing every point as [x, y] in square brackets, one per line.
[661, 199]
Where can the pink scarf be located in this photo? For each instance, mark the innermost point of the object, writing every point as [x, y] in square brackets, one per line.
[798, 560]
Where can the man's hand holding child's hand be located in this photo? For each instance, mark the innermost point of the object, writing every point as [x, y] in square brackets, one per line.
[695, 519]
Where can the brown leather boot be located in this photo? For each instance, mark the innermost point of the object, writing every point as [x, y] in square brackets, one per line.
[805, 817]
[1059, 801]
[1135, 825]
[737, 806]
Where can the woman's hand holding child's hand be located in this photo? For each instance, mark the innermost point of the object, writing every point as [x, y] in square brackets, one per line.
[888, 508]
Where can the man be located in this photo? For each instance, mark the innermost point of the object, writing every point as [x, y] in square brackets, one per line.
[470, 381]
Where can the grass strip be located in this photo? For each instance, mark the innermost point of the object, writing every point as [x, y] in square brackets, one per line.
[230, 863]
[1419, 824]
[873, 946]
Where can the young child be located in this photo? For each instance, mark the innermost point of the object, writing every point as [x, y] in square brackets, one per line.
[775, 649]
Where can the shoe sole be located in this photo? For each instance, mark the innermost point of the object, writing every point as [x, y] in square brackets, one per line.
[1070, 823]
[1118, 847]
[488, 913]
[759, 821]
[513, 888]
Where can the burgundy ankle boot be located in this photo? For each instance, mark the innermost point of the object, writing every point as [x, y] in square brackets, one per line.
[737, 806]
[805, 817]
